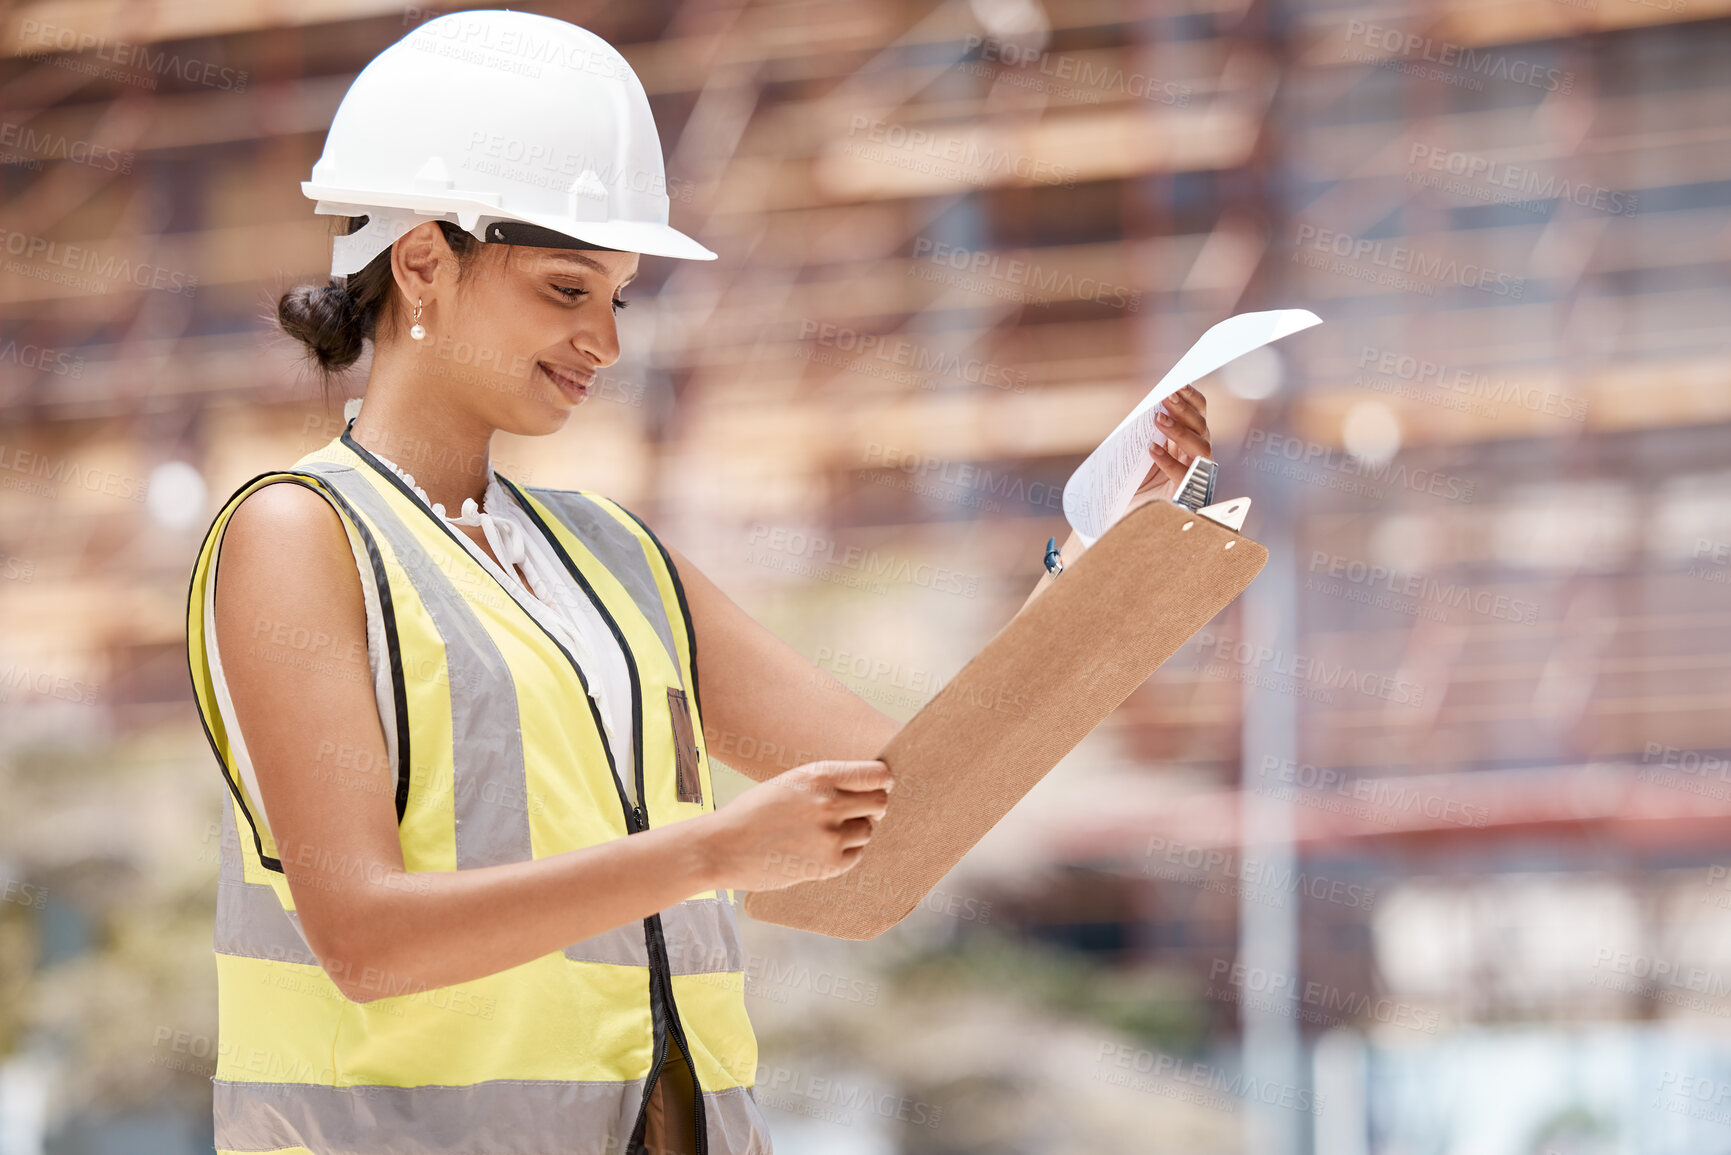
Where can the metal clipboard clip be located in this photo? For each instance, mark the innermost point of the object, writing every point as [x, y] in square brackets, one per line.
[1195, 493]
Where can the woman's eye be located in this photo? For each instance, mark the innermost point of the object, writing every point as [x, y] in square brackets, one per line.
[571, 294]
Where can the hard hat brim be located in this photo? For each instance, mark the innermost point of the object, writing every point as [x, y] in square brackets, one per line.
[647, 238]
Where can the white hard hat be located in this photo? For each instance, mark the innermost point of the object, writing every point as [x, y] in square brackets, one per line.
[521, 128]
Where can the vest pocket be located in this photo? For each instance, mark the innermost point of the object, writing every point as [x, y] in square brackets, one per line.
[689, 784]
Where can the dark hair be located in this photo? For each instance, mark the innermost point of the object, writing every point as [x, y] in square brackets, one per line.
[334, 320]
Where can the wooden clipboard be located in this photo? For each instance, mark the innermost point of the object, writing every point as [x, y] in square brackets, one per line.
[1155, 578]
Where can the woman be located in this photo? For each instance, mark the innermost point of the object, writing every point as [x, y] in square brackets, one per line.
[472, 895]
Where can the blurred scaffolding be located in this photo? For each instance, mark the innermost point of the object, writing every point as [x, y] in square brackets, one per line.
[1418, 847]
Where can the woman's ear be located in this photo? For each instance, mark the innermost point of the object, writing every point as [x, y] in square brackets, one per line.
[421, 259]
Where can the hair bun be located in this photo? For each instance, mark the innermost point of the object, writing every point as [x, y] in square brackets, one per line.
[327, 320]
[336, 320]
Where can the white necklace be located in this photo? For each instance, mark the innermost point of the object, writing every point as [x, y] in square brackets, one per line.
[471, 514]
[512, 550]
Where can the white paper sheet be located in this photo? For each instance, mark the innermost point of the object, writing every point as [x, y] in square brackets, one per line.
[1098, 492]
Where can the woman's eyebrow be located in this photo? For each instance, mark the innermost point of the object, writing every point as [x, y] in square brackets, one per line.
[588, 262]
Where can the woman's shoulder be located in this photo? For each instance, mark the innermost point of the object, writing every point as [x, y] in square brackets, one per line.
[290, 524]
[284, 556]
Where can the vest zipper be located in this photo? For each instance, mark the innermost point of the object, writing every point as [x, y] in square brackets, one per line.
[660, 968]
[636, 819]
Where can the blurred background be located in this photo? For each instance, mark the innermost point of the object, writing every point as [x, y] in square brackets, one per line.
[1420, 847]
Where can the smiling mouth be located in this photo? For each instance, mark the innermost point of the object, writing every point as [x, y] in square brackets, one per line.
[570, 382]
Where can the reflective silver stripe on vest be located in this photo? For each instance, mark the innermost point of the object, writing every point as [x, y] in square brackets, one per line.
[702, 937]
[228, 853]
[502, 1117]
[250, 920]
[735, 1123]
[516, 1117]
[251, 923]
[486, 731]
[486, 734]
[702, 934]
[621, 552]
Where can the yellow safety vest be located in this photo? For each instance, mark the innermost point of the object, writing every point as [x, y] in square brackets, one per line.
[499, 755]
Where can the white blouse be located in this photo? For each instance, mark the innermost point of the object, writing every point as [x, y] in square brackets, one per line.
[550, 595]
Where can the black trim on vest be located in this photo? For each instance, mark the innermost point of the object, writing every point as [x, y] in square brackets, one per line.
[659, 1032]
[658, 944]
[388, 612]
[618, 636]
[660, 967]
[399, 688]
[257, 842]
[390, 475]
[684, 611]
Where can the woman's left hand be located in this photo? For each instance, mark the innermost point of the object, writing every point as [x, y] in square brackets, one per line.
[1185, 426]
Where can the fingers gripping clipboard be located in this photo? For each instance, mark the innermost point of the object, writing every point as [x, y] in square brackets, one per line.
[1114, 615]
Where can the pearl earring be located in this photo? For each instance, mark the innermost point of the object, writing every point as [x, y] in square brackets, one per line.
[415, 329]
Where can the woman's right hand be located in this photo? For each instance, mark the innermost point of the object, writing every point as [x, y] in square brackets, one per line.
[811, 822]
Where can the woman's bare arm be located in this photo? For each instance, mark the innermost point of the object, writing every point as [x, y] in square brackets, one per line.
[773, 707]
[766, 706]
[286, 567]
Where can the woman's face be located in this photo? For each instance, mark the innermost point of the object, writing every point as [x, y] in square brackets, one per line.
[524, 333]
